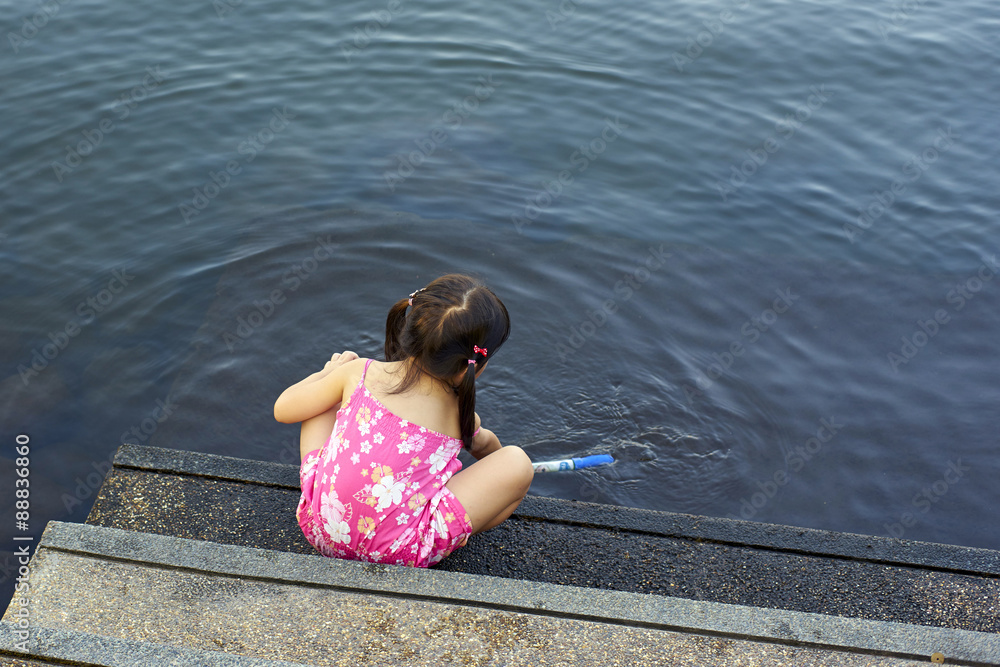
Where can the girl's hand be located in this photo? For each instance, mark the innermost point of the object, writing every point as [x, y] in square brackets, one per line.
[485, 443]
[317, 393]
[339, 358]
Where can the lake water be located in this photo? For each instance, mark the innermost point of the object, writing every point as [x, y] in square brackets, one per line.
[749, 248]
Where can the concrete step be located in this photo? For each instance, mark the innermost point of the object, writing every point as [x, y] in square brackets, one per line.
[48, 646]
[96, 586]
[248, 503]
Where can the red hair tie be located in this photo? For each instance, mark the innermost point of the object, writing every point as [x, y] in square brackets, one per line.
[476, 349]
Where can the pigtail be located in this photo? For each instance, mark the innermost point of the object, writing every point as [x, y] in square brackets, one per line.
[394, 324]
[436, 336]
[467, 405]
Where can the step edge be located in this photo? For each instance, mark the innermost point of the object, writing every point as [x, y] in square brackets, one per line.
[105, 651]
[775, 537]
[607, 606]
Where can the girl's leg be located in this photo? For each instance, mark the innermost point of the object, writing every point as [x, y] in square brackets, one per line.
[503, 516]
[492, 488]
[316, 431]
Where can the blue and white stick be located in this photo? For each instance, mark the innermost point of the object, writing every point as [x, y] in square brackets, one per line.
[574, 463]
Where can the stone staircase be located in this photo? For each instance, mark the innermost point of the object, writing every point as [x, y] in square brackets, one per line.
[195, 559]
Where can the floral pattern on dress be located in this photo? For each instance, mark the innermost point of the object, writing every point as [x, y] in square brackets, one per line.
[411, 442]
[385, 490]
[366, 525]
[377, 490]
[438, 461]
[337, 517]
[364, 419]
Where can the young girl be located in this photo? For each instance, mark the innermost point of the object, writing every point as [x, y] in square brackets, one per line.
[381, 479]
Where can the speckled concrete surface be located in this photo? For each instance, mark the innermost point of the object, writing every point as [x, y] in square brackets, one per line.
[61, 647]
[201, 509]
[63, 542]
[11, 661]
[698, 528]
[587, 547]
[321, 626]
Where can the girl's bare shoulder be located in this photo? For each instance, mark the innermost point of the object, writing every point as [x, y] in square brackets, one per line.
[353, 371]
[383, 376]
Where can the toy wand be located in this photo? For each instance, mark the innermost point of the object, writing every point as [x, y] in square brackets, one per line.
[574, 463]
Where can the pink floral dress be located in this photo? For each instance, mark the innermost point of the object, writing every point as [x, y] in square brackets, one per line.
[376, 490]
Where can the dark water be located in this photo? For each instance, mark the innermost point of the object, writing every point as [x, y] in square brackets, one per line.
[668, 203]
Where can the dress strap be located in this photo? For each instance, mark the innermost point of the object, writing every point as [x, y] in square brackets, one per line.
[365, 372]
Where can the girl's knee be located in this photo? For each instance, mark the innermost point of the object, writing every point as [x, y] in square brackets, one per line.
[520, 464]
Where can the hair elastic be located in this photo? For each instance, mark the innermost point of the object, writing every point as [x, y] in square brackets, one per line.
[472, 361]
[413, 294]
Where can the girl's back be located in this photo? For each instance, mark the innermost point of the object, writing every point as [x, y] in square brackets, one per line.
[425, 404]
[381, 480]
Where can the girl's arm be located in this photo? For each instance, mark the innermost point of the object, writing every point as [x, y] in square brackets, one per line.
[315, 394]
[485, 443]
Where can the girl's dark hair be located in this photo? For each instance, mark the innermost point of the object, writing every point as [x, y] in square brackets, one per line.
[448, 320]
